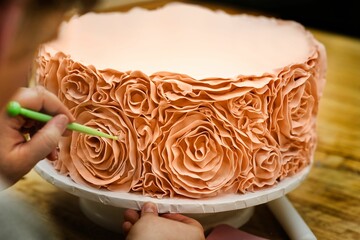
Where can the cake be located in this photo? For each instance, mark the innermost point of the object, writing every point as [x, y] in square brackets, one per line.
[204, 103]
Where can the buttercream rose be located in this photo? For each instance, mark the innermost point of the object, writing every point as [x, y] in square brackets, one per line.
[266, 162]
[108, 80]
[245, 184]
[197, 155]
[295, 159]
[292, 121]
[249, 108]
[102, 162]
[136, 94]
[78, 82]
[294, 107]
[248, 112]
[147, 132]
[48, 70]
[71, 81]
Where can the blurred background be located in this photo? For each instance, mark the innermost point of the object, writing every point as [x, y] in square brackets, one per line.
[335, 16]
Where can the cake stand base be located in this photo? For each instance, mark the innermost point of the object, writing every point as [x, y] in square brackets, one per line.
[111, 217]
[106, 208]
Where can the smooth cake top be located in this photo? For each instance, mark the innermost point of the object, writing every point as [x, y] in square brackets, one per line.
[193, 40]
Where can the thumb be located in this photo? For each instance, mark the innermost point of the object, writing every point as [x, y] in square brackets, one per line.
[149, 209]
[46, 139]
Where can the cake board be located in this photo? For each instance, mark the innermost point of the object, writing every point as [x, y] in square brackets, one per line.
[106, 208]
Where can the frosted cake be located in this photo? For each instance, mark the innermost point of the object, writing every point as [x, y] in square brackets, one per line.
[204, 103]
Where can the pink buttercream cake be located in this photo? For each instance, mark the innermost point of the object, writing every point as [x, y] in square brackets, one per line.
[204, 103]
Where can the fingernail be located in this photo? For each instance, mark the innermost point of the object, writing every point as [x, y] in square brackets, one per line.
[149, 208]
[62, 121]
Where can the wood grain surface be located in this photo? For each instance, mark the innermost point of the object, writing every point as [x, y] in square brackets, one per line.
[328, 200]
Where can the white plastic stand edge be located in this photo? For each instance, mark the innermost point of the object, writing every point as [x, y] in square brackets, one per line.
[290, 219]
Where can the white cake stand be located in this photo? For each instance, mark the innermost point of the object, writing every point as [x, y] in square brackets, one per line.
[106, 208]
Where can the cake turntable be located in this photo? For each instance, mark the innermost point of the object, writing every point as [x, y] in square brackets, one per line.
[105, 208]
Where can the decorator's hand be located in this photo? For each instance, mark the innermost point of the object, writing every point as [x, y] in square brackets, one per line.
[25, 142]
[150, 226]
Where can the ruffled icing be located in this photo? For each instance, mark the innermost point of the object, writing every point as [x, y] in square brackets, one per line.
[184, 136]
[97, 161]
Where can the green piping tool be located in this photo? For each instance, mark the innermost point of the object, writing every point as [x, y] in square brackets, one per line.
[14, 109]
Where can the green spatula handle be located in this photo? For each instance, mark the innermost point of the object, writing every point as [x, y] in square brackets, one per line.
[14, 109]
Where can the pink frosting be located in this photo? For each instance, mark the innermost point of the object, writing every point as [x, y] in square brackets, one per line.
[182, 136]
[98, 161]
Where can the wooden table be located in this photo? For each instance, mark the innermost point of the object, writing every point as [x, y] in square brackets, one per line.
[328, 200]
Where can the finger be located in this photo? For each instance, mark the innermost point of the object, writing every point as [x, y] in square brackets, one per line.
[39, 99]
[45, 140]
[181, 218]
[149, 208]
[54, 155]
[131, 215]
[126, 227]
[67, 133]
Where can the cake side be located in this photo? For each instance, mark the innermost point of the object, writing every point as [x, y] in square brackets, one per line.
[184, 136]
